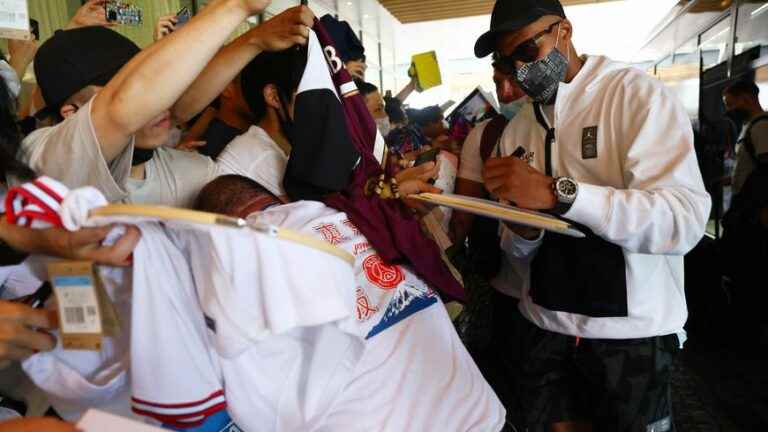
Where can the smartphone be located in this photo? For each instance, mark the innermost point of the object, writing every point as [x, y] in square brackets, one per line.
[110, 10]
[123, 13]
[182, 17]
[34, 29]
[427, 156]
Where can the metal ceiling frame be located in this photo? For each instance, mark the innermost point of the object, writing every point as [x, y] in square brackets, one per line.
[411, 11]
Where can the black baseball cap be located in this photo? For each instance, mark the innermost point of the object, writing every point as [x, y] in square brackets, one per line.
[512, 15]
[73, 59]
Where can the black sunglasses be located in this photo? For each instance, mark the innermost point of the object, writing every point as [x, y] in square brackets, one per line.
[526, 52]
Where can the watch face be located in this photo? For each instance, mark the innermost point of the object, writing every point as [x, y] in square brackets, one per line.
[567, 188]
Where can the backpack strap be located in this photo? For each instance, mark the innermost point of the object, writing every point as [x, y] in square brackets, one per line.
[492, 135]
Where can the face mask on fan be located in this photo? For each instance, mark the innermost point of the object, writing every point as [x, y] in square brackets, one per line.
[384, 126]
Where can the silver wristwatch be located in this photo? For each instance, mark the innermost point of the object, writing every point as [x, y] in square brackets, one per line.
[566, 190]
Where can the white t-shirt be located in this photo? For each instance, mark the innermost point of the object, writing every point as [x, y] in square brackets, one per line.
[172, 178]
[175, 375]
[471, 165]
[285, 339]
[19, 280]
[71, 153]
[256, 155]
[161, 367]
[415, 374]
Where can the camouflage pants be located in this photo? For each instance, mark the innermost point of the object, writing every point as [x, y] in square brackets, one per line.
[616, 385]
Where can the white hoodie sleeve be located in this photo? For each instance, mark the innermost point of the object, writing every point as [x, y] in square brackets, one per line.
[664, 207]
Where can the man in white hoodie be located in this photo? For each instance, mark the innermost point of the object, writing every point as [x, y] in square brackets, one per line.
[610, 149]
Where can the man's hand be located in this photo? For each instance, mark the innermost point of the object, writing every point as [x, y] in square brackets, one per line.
[92, 13]
[284, 31]
[165, 26]
[424, 172]
[413, 187]
[514, 180]
[357, 69]
[22, 53]
[19, 335]
[85, 244]
[39, 424]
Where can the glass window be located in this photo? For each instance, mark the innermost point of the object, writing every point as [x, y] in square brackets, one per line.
[321, 8]
[752, 27]
[278, 6]
[715, 44]
[371, 45]
[761, 79]
[350, 11]
[682, 76]
[684, 22]
[664, 68]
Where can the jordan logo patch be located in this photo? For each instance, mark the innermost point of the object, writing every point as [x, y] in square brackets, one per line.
[589, 143]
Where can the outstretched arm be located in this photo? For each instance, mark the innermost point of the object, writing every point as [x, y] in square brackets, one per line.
[153, 80]
[279, 33]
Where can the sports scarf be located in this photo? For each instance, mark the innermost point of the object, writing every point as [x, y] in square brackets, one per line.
[321, 162]
[36, 204]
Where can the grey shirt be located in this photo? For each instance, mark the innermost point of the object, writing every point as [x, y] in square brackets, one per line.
[744, 163]
[71, 153]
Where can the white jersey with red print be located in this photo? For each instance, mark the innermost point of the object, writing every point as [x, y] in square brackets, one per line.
[415, 374]
[279, 317]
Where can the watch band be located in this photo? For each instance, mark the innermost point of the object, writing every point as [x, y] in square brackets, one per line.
[561, 208]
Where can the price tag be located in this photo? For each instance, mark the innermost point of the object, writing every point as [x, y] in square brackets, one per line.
[77, 297]
[14, 19]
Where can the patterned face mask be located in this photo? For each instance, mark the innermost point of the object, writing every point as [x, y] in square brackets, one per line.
[541, 78]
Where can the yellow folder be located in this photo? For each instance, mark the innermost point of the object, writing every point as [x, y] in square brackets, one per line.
[426, 70]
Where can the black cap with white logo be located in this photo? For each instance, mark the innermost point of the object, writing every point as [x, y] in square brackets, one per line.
[512, 15]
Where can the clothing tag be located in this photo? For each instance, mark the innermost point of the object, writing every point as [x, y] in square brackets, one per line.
[110, 321]
[663, 425]
[14, 20]
[589, 143]
[78, 304]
